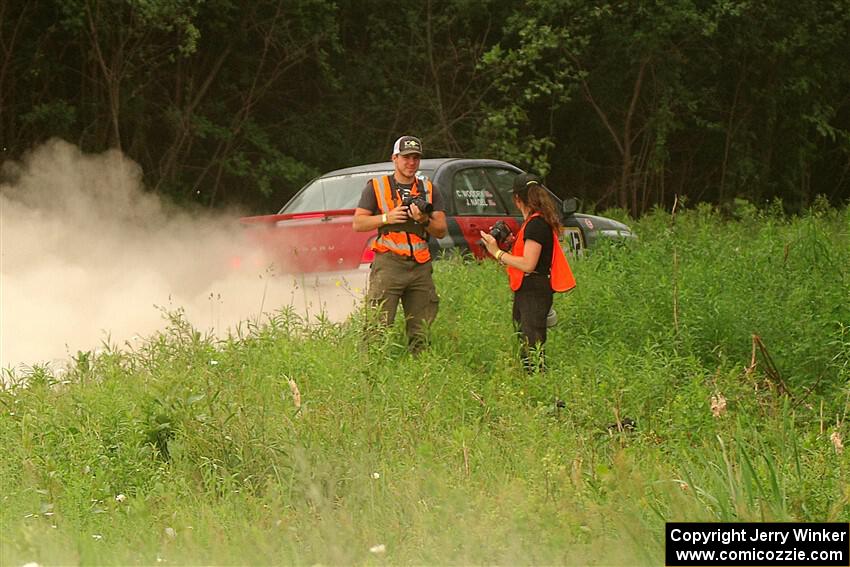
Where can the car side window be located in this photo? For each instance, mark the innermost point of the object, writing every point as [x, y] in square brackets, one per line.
[473, 194]
[503, 181]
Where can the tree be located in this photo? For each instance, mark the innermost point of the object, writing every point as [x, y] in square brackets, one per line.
[715, 99]
[127, 42]
[624, 102]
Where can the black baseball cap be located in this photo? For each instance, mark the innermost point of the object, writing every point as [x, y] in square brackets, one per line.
[407, 145]
[523, 181]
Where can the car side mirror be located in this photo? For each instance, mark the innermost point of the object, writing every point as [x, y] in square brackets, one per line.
[569, 206]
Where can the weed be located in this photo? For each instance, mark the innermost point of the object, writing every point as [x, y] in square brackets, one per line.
[701, 373]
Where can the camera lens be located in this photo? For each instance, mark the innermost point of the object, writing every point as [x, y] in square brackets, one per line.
[420, 203]
[500, 231]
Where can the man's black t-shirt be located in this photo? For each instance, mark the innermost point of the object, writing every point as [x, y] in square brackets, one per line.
[539, 231]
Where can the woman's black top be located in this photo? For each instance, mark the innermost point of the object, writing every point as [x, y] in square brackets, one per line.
[539, 231]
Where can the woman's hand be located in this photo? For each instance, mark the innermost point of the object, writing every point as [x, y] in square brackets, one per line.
[490, 243]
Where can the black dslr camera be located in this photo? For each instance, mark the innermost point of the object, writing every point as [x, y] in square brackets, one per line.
[500, 232]
[420, 202]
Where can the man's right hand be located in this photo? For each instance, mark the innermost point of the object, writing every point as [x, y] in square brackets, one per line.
[366, 220]
[398, 215]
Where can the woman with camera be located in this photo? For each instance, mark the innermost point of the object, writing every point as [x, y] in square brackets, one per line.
[536, 265]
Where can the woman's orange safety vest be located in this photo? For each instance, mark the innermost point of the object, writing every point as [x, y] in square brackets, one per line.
[561, 278]
[407, 239]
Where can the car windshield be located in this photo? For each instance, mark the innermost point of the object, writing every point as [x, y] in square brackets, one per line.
[333, 193]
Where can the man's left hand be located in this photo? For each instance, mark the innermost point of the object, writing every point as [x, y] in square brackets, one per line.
[417, 215]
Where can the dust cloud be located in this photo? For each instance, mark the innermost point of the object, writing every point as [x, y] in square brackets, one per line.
[88, 257]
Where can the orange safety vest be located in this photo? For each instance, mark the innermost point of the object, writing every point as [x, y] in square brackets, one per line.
[407, 239]
[561, 277]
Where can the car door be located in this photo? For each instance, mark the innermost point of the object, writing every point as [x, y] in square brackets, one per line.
[478, 203]
[573, 237]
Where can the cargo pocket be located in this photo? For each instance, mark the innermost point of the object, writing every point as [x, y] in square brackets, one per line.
[375, 287]
[433, 305]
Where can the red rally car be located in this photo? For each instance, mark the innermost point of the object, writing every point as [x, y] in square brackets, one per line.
[312, 233]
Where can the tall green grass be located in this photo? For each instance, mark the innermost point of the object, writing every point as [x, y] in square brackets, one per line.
[192, 449]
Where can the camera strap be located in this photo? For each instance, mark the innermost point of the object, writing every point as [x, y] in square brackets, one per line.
[398, 195]
[397, 190]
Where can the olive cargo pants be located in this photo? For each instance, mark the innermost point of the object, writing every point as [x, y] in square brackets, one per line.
[395, 278]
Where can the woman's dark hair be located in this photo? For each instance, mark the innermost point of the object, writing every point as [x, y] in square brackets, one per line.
[531, 193]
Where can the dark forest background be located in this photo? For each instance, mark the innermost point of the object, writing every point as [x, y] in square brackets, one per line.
[624, 104]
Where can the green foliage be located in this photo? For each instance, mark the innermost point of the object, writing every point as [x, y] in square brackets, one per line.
[619, 103]
[264, 165]
[615, 91]
[537, 74]
[314, 441]
[58, 115]
[133, 18]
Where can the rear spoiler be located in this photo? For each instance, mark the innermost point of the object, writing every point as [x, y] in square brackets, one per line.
[272, 219]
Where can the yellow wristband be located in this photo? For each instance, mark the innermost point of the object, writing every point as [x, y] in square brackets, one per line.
[499, 255]
[384, 218]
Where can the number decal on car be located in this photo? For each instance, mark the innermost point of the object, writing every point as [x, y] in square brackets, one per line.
[572, 241]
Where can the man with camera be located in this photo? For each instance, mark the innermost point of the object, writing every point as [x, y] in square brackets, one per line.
[406, 211]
